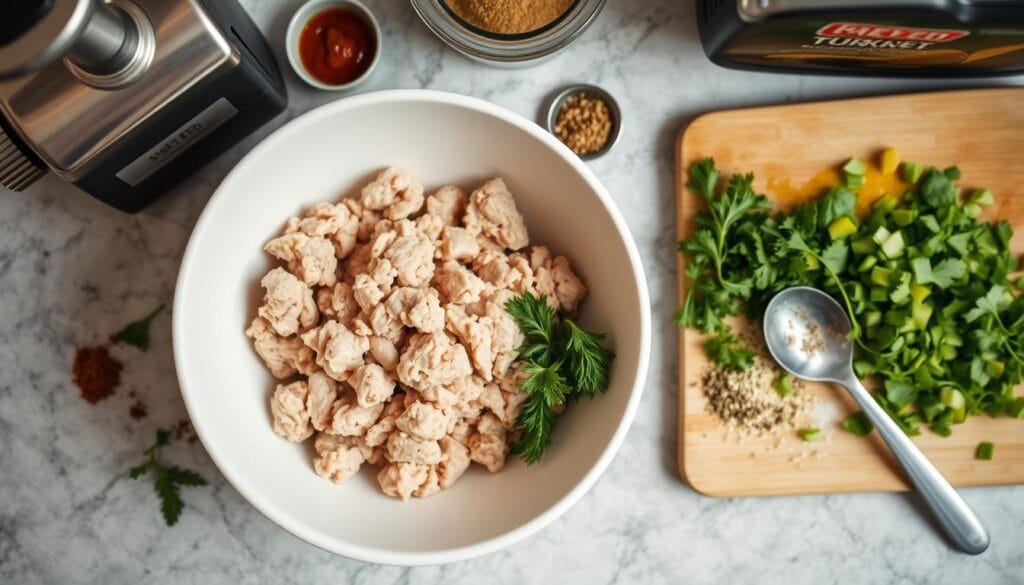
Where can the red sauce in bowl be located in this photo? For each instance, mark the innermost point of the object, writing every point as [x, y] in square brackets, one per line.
[337, 46]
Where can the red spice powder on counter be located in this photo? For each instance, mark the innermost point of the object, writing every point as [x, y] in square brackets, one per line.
[96, 373]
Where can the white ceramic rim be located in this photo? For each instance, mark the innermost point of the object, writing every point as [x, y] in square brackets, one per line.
[299, 20]
[376, 555]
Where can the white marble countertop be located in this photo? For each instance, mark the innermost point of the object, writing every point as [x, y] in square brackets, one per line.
[71, 269]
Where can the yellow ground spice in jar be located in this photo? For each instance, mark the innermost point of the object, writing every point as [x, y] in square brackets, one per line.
[509, 17]
[584, 124]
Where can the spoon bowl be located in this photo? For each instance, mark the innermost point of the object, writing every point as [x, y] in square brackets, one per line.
[806, 332]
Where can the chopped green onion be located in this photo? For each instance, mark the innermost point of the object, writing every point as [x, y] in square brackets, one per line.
[894, 245]
[920, 313]
[783, 385]
[881, 276]
[855, 166]
[859, 424]
[872, 318]
[885, 204]
[854, 181]
[984, 451]
[1015, 408]
[952, 398]
[863, 246]
[983, 197]
[881, 235]
[878, 294]
[867, 263]
[808, 435]
[912, 172]
[903, 217]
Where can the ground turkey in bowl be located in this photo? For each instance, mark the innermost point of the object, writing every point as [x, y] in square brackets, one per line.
[386, 325]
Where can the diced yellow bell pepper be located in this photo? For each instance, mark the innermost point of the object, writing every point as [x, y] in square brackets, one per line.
[890, 161]
[919, 292]
[842, 227]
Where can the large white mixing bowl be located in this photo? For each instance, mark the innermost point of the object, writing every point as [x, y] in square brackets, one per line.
[332, 151]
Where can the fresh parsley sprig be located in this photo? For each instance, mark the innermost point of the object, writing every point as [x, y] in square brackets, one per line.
[563, 361]
[166, 480]
[137, 332]
[721, 274]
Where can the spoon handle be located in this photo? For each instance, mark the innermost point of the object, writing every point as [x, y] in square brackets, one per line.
[956, 517]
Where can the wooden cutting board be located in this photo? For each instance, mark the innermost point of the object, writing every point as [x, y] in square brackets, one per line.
[795, 151]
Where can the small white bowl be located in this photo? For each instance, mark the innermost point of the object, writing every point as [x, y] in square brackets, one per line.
[334, 150]
[303, 15]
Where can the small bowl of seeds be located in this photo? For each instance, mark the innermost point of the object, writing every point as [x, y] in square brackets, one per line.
[585, 118]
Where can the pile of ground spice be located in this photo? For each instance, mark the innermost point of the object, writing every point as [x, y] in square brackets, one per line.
[749, 404]
[509, 17]
[96, 373]
[584, 124]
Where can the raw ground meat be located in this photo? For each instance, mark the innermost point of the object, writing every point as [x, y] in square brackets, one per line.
[388, 329]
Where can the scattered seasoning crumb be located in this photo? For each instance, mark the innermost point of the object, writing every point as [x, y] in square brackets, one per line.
[584, 124]
[182, 430]
[96, 373]
[813, 342]
[138, 410]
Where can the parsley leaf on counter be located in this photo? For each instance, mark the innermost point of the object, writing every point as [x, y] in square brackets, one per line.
[166, 480]
[137, 332]
[563, 361]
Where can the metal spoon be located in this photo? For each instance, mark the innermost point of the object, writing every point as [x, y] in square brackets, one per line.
[806, 330]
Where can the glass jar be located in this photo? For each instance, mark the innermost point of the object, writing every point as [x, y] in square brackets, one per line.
[507, 50]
